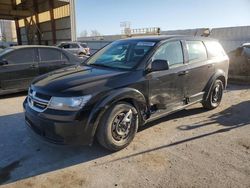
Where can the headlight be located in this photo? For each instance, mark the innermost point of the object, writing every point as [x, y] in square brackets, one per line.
[69, 103]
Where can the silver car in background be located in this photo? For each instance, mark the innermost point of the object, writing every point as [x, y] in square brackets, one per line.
[76, 48]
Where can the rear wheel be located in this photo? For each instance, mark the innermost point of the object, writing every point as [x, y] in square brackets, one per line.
[118, 127]
[215, 96]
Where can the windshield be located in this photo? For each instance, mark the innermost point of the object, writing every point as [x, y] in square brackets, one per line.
[5, 51]
[121, 54]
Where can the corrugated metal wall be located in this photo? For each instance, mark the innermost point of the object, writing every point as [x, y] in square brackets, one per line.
[192, 32]
[230, 37]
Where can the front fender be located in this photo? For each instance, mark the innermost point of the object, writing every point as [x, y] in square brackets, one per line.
[113, 97]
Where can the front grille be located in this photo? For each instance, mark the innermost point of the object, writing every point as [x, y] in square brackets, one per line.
[42, 96]
[38, 101]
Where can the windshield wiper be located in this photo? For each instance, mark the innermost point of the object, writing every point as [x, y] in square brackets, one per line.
[99, 65]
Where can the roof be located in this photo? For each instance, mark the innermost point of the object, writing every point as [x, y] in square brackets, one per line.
[166, 37]
[32, 46]
[72, 42]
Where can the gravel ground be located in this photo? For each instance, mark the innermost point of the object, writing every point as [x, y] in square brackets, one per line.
[191, 148]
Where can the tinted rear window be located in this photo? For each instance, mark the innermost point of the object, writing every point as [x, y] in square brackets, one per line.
[214, 49]
[47, 54]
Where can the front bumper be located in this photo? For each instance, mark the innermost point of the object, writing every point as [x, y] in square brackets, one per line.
[58, 126]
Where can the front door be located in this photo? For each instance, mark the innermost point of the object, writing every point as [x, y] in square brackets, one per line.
[20, 70]
[167, 87]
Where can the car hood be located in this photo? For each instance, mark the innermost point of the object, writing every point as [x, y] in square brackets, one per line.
[76, 80]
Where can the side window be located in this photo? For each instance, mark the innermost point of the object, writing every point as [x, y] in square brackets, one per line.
[196, 51]
[66, 46]
[74, 45]
[172, 52]
[84, 45]
[47, 54]
[214, 49]
[21, 56]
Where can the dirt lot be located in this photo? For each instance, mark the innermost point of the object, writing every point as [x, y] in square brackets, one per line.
[192, 148]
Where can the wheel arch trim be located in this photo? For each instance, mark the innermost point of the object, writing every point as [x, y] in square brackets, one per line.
[218, 74]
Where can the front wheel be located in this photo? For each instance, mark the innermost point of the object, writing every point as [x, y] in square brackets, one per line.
[215, 96]
[118, 127]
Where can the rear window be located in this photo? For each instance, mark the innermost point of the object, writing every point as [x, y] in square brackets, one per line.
[84, 45]
[47, 54]
[66, 46]
[196, 51]
[72, 45]
[214, 49]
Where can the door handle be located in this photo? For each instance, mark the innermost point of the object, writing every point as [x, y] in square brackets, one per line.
[182, 73]
[211, 65]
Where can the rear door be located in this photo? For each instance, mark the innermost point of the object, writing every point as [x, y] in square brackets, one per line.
[51, 59]
[200, 69]
[21, 69]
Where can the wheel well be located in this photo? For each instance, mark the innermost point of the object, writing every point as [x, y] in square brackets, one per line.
[222, 78]
[130, 101]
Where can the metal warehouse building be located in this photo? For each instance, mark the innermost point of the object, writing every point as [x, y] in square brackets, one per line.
[230, 37]
[45, 22]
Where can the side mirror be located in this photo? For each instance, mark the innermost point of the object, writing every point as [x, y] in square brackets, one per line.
[159, 65]
[3, 62]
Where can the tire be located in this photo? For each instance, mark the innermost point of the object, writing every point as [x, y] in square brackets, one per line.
[215, 96]
[109, 132]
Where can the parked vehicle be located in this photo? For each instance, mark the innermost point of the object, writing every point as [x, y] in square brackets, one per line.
[19, 65]
[76, 48]
[123, 86]
[240, 61]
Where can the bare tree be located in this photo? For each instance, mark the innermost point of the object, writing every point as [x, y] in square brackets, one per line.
[84, 33]
[95, 33]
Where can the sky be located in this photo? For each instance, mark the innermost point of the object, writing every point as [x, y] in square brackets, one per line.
[105, 15]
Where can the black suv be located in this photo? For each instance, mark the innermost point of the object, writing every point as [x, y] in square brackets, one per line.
[123, 86]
